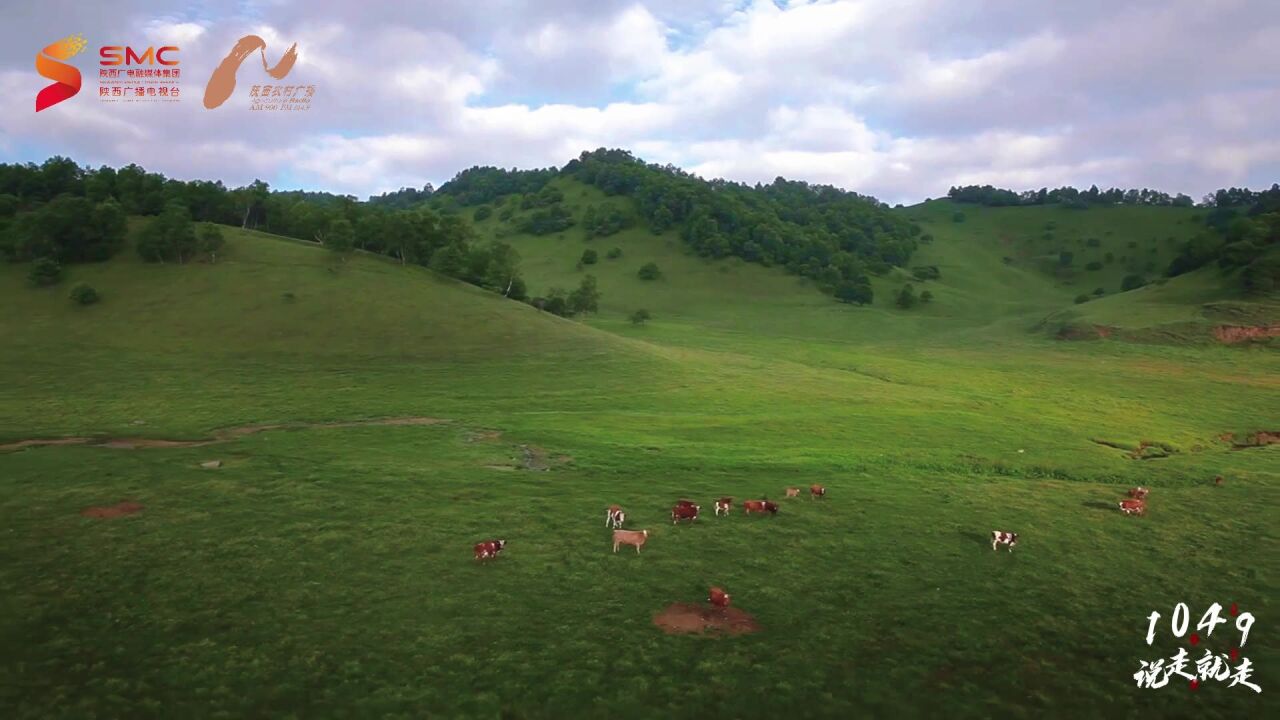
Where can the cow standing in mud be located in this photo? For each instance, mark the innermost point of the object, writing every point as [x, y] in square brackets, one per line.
[1133, 507]
[1139, 493]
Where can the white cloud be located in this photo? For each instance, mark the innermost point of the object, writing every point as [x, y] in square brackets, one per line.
[897, 99]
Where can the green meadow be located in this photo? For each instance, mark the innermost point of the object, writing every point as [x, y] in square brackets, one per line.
[326, 571]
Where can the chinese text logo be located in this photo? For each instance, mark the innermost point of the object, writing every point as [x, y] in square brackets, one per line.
[1154, 674]
[66, 79]
[223, 81]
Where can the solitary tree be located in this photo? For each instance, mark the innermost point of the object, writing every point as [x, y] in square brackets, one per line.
[640, 316]
[586, 298]
[906, 297]
[340, 238]
[649, 271]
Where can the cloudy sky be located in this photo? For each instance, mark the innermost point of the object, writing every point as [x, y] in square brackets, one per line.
[896, 98]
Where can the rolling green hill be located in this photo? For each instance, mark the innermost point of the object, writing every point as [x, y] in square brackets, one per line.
[326, 566]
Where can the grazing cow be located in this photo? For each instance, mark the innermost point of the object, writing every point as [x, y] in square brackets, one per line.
[685, 503]
[718, 597]
[723, 505]
[614, 516]
[1139, 493]
[793, 492]
[1133, 507]
[630, 537]
[759, 506]
[1217, 480]
[489, 549]
[817, 491]
[684, 512]
[1000, 537]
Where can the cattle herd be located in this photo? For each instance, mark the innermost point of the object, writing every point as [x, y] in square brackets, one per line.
[615, 516]
[1134, 504]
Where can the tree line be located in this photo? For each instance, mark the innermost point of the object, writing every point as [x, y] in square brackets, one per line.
[836, 237]
[65, 213]
[1067, 196]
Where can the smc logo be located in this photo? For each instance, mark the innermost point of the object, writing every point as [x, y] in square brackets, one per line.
[124, 55]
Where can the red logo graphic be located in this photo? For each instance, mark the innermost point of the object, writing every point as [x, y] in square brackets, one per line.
[66, 79]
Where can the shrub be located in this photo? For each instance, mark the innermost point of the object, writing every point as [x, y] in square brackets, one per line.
[1132, 282]
[649, 271]
[1065, 258]
[906, 297]
[640, 316]
[1099, 292]
[926, 272]
[1082, 299]
[614, 254]
[926, 297]
[506, 214]
[957, 217]
[482, 213]
[83, 294]
[45, 272]
[589, 257]
[1093, 242]
[1093, 266]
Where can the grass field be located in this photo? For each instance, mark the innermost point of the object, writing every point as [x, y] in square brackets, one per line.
[327, 572]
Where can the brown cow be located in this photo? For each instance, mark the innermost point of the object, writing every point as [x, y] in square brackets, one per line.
[684, 512]
[630, 537]
[718, 597]
[817, 491]
[1133, 507]
[759, 506]
[793, 492]
[1217, 480]
[724, 504]
[1139, 493]
[489, 549]
[614, 516]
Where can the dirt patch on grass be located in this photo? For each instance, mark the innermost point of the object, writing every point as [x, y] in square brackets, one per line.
[1231, 334]
[691, 618]
[1144, 450]
[219, 436]
[1085, 332]
[476, 436]
[1261, 438]
[120, 509]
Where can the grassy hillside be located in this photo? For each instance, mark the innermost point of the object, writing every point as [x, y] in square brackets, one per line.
[327, 570]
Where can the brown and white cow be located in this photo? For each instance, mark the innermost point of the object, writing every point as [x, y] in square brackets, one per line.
[489, 549]
[759, 506]
[1133, 507]
[817, 491]
[793, 492]
[1139, 493]
[630, 537]
[1000, 537]
[718, 597]
[724, 504]
[684, 512]
[614, 516]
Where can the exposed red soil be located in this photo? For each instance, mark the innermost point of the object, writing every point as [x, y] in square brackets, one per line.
[1261, 438]
[219, 436]
[686, 618]
[120, 509]
[1243, 333]
[1091, 332]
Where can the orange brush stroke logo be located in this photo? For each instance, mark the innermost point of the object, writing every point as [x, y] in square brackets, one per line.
[66, 79]
[223, 81]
